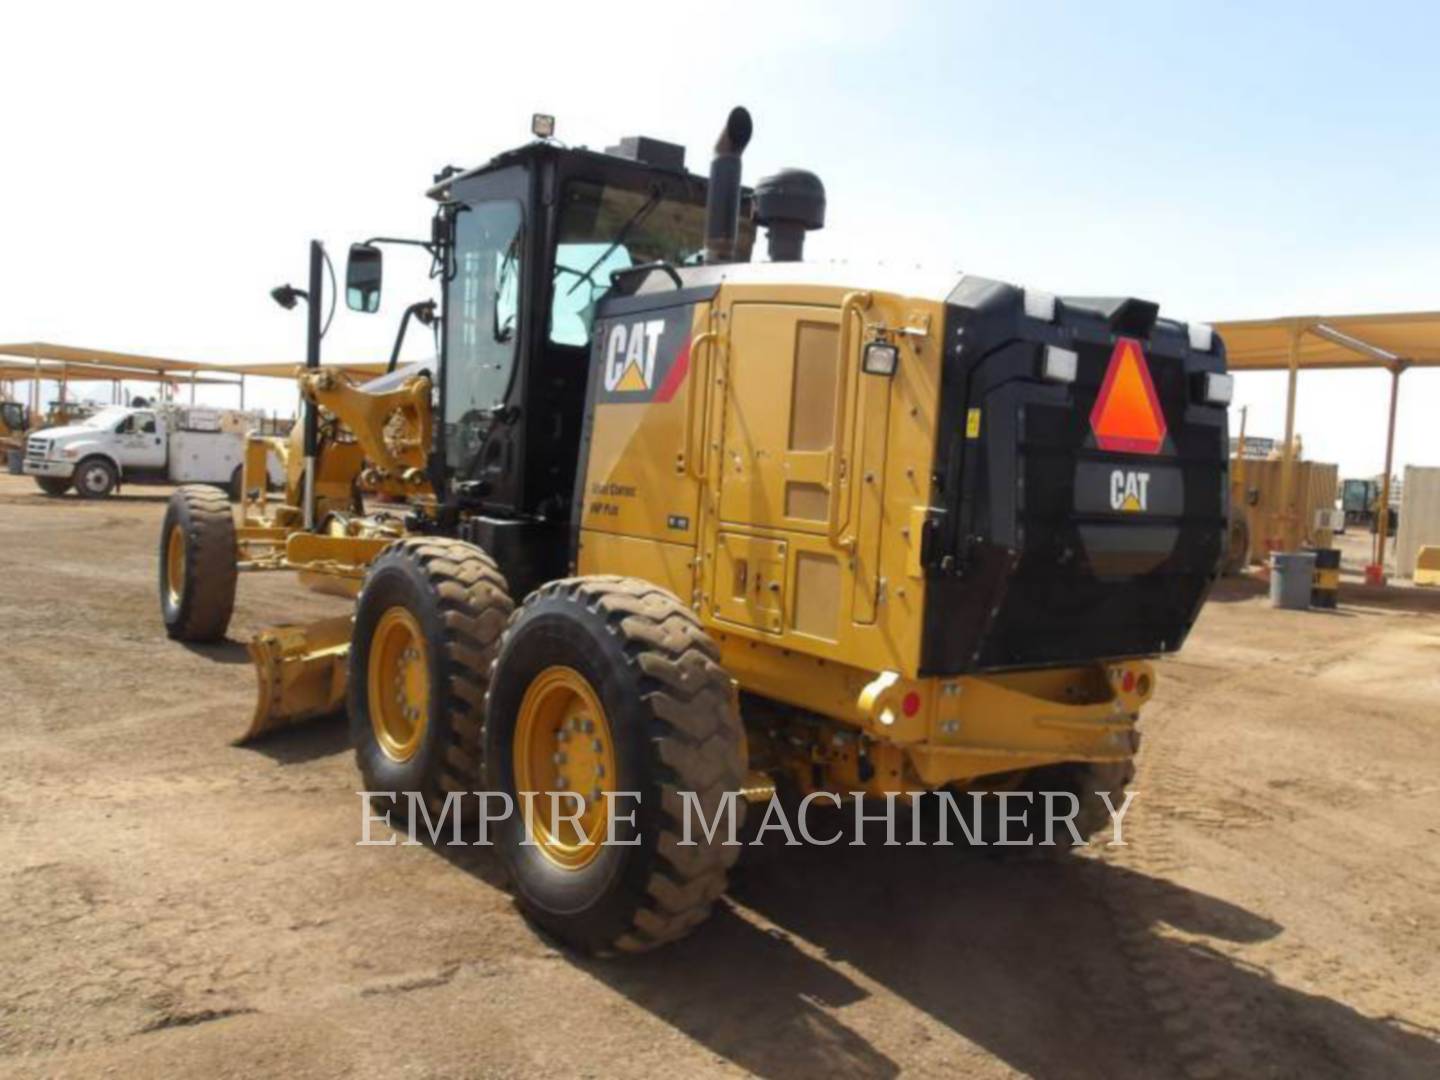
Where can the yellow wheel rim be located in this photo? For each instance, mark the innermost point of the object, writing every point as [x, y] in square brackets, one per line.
[563, 744]
[175, 565]
[398, 679]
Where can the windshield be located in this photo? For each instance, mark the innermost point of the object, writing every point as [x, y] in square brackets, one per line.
[106, 418]
[604, 229]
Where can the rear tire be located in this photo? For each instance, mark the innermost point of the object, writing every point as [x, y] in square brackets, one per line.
[236, 490]
[197, 564]
[668, 713]
[427, 626]
[53, 486]
[1025, 826]
[95, 478]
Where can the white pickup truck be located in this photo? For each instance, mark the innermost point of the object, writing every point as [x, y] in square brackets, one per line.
[165, 444]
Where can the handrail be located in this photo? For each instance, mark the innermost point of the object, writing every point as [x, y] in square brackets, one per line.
[699, 392]
[854, 302]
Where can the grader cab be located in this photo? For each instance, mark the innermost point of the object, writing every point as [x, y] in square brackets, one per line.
[683, 524]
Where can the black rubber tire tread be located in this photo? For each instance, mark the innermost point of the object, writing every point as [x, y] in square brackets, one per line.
[1085, 780]
[83, 491]
[696, 743]
[471, 605]
[53, 486]
[208, 599]
[235, 489]
[1111, 777]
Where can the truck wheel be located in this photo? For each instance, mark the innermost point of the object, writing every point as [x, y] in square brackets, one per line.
[427, 625]
[197, 564]
[95, 478]
[607, 686]
[53, 485]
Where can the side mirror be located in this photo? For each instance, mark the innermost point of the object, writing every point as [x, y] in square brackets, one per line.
[362, 278]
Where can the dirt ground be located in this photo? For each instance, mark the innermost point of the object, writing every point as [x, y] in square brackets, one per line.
[174, 905]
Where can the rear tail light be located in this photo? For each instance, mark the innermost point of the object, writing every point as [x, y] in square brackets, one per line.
[1040, 305]
[1213, 388]
[1058, 365]
[1202, 337]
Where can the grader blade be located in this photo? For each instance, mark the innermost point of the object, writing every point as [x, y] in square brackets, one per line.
[301, 672]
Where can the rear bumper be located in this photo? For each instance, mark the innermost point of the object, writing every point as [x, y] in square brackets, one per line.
[33, 467]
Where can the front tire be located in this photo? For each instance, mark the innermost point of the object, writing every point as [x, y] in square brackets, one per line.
[95, 478]
[427, 625]
[197, 564]
[54, 486]
[606, 686]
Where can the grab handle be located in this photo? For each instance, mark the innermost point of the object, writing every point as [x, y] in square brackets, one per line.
[699, 395]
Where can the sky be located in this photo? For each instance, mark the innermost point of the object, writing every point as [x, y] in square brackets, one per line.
[166, 164]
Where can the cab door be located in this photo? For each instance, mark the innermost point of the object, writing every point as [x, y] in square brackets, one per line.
[141, 441]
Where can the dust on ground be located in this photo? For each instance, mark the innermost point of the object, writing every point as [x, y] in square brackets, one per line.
[176, 905]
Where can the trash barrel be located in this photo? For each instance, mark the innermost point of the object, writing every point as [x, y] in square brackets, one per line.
[1292, 575]
[15, 461]
[1325, 592]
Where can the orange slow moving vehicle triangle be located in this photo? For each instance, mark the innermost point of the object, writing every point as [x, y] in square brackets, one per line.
[1127, 415]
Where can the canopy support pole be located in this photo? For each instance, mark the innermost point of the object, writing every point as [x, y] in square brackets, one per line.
[1383, 515]
[1289, 540]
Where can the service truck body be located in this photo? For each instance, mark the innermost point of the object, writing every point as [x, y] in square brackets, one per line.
[162, 444]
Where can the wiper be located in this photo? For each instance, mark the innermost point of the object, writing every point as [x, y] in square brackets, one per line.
[512, 257]
[635, 219]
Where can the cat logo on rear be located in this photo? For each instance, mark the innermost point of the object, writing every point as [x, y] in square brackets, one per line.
[1130, 491]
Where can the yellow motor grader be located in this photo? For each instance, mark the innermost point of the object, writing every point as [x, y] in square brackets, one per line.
[675, 521]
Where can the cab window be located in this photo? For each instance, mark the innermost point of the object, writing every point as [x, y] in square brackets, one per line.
[482, 330]
[605, 228]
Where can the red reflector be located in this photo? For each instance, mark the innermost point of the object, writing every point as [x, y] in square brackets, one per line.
[1127, 415]
[1128, 682]
[911, 705]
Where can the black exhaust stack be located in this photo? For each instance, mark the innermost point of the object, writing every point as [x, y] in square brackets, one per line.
[789, 204]
[722, 202]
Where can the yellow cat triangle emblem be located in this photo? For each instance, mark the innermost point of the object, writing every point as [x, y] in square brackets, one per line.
[632, 378]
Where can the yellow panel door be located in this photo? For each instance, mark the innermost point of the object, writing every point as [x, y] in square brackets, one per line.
[779, 418]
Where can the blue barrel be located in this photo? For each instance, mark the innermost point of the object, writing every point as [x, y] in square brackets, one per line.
[1292, 576]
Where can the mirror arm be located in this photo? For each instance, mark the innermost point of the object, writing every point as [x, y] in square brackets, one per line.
[426, 244]
[416, 309]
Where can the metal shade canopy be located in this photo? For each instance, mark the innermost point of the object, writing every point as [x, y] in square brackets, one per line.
[1390, 341]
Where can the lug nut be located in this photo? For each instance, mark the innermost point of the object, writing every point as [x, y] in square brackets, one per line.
[558, 759]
